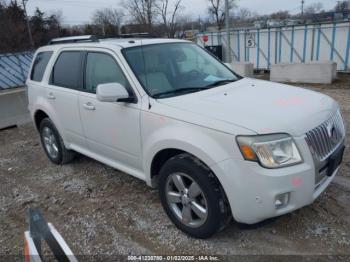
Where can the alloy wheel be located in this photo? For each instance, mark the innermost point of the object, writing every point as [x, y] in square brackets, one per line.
[186, 200]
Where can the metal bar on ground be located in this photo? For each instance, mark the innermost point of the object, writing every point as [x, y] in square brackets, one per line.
[40, 230]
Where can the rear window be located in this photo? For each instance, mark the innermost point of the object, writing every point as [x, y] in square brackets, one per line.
[39, 66]
[67, 70]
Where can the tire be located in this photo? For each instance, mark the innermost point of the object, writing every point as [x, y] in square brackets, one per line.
[58, 154]
[212, 199]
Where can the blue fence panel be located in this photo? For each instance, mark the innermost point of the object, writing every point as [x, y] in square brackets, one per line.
[14, 69]
[294, 44]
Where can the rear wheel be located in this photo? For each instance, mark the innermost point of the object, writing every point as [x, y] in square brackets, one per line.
[53, 144]
[192, 197]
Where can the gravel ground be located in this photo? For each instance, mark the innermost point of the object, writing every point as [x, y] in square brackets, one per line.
[99, 210]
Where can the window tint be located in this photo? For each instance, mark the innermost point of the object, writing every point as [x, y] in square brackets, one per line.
[101, 69]
[39, 66]
[67, 70]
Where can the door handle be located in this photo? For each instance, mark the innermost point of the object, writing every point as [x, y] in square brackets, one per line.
[51, 96]
[89, 106]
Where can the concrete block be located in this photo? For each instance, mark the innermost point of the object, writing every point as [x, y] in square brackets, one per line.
[13, 107]
[243, 69]
[322, 72]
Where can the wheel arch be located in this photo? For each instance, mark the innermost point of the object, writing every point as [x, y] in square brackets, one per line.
[159, 159]
[167, 142]
[44, 108]
[39, 115]
[162, 155]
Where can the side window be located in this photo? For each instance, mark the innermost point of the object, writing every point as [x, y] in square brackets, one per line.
[67, 70]
[39, 66]
[101, 69]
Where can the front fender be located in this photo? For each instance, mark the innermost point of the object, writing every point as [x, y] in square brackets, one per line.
[208, 145]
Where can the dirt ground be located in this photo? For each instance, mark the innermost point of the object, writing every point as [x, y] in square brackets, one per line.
[99, 210]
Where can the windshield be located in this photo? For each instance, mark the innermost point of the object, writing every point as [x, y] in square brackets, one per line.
[173, 69]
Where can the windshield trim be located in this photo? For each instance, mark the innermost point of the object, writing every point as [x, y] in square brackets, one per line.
[180, 42]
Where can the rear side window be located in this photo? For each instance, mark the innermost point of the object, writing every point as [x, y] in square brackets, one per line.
[67, 70]
[39, 66]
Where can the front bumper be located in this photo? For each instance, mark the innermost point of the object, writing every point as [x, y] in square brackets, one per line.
[252, 190]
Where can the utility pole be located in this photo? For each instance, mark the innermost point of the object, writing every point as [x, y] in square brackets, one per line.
[227, 22]
[28, 25]
[302, 7]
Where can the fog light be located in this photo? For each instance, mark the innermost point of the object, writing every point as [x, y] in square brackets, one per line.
[282, 200]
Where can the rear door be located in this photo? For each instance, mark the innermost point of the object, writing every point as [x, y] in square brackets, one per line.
[62, 93]
[36, 86]
[112, 129]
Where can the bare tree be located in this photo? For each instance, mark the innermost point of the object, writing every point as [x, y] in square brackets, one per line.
[246, 14]
[184, 22]
[109, 20]
[144, 12]
[280, 15]
[169, 15]
[342, 5]
[217, 11]
[313, 8]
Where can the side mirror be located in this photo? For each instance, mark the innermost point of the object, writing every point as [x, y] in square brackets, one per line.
[112, 92]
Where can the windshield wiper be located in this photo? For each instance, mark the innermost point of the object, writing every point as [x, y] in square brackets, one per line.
[221, 82]
[184, 90]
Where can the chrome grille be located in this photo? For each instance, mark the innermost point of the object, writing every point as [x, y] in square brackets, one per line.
[324, 139]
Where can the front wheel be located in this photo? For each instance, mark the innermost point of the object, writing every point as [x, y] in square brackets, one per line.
[192, 197]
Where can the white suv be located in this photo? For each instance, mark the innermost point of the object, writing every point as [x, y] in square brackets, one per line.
[216, 145]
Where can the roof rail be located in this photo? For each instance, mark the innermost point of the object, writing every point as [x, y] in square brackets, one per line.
[74, 39]
[131, 35]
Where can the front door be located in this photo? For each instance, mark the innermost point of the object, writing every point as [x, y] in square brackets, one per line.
[111, 129]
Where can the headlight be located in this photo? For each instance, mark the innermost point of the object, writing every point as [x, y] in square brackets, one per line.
[271, 151]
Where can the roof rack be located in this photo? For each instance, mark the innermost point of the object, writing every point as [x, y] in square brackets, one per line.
[134, 35]
[74, 39]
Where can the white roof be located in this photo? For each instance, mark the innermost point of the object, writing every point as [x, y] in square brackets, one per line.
[114, 42]
[130, 42]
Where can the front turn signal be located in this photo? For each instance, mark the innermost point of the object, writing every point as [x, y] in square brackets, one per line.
[248, 153]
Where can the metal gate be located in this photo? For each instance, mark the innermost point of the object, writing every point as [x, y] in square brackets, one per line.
[294, 44]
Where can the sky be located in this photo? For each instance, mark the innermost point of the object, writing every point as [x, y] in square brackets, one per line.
[80, 11]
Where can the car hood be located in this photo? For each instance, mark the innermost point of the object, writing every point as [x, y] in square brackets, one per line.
[261, 106]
